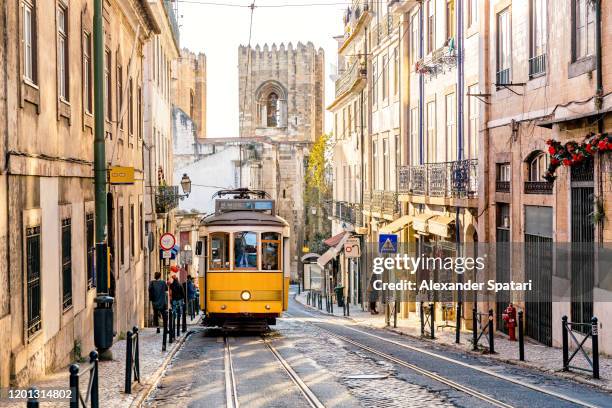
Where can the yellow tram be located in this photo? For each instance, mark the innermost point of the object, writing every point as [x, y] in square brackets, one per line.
[244, 265]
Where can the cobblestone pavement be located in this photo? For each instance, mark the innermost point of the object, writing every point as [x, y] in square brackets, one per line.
[537, 356]
[111, 374]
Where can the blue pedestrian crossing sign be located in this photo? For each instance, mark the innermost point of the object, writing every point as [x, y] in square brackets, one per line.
[387, 244]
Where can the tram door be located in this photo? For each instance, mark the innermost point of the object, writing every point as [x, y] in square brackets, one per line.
[202, 253]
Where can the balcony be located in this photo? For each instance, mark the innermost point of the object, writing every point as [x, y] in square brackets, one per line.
[356, 72]
[537, 65]
[538, 187]
[354, 18]
[502, 77]
[457, 179]
[390, 203]
[166, 198]
[502, 186]
[367, 199]
[442, 60]
[347, 212]
[172, 18]
[376, 204]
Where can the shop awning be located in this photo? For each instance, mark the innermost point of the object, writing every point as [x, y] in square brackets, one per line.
[333, 252]
[440, 225]
[419, 222]
[397, 225]
[333, 241]
[309, 257]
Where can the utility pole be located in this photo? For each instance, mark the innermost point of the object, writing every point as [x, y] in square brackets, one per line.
[103, 313]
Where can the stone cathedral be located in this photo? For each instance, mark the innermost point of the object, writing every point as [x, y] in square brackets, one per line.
[281, 91]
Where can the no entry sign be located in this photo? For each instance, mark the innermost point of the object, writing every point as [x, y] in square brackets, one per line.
[167, 241]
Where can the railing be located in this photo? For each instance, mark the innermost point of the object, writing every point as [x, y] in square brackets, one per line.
[173, 19]
[502, 186]
[355, 72]
[503, 77]
[367, 200]
[376, 203]
[166, 198]
[91, 397]
[538, 187]
[457, 179]
[537, 65]
[390, 203]
[132, 359]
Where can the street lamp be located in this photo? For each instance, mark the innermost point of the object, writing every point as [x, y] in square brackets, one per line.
[186, 184]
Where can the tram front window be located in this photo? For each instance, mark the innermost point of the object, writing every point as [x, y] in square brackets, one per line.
[270, 253]
[245, 250]
[219, 250]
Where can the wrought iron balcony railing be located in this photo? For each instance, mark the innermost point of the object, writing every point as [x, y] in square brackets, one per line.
[347, 212]
[503, 76]
[367, 200]
[354, 73]
[376, 203]
[457, 179]
[173, 20]
[537, 65]
[166, 198]
[502, 186]
[390, 203]
[538, 187]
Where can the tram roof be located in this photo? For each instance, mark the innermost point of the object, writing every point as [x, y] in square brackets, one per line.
[243, 218]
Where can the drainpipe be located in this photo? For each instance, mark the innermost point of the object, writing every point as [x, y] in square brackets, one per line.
[598, 60]
[421, 84]
[460, 89]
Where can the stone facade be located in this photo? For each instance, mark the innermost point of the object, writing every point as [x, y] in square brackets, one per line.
[281, 98]
[189, 88]
[46, 302]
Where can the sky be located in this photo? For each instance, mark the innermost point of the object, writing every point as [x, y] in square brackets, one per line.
[218, 31]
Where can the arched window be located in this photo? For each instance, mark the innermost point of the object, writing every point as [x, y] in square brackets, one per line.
[272, 110]
[537, 166]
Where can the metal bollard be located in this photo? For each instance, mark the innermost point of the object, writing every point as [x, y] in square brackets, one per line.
[521, 336]
[32, 400]
[491, 333]
[137, 353]
[184, 318]
[565, 341]
[595, 346]
[177, 324]
[74, 385]
[475, 329]
[128, 364]
[94, 395]
[331, 304]
[432, 319]
[458, 324]
[165, 334]
[422, 316]
[170, 326]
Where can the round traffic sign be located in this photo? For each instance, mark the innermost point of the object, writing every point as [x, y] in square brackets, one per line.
[167, 241]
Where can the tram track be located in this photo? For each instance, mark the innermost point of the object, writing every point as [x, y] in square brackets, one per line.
[437, 377]
[231, 384]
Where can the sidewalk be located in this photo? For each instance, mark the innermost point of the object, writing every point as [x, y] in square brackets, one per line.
[537, 356]
[111, 374]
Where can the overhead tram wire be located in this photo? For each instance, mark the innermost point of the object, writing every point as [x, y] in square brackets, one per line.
[246, 82]
[279, 5]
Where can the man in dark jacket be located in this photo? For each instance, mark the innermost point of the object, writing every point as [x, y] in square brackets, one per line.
[157, 295]
[178, 296]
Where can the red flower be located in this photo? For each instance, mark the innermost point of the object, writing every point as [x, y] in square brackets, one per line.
[589, 148]
[602, 145]
[566, 162]
[554, 162]
[552, 150]
[609, 145]
[575, 158]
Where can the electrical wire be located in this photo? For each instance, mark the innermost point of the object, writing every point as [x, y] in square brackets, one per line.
[278, 5]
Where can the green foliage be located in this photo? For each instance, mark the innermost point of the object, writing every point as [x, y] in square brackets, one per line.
[315, 173]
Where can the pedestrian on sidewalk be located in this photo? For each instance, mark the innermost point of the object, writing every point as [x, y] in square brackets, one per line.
[178, 296]
[191, 295]
[373, 297]
[157, 295]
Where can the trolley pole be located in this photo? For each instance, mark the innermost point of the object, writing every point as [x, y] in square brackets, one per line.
[103, 313]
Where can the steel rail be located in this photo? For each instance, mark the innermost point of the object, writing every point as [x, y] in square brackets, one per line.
[453, 361]
[311, 398]
[231, 395]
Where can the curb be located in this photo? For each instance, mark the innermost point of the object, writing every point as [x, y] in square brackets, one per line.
[154, 379]
[556, 373]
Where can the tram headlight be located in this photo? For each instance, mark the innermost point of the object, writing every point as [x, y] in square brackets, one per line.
[267, 307]
[245, 295]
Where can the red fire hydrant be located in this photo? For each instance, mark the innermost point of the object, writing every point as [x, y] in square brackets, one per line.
[509, 317]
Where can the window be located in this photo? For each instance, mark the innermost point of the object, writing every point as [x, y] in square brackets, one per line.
[503, 172]
[132, 231]
[503, 47]
[451, 128]
[140, 123]
[415, 39]
[30, 69]
[473, 114]
[374, 83]
[66, 263]
[396, 71]
[219, 251]
[374, 165]
[141, 226]
[386, 164]
[33, 276]
[538, 166]
[584, 29]
[108, 85]
[121, 236]
[398, 152]
[431, 26]
[537, 60]
[414, 136]
[63, 71]
[270, 251]
[272, 110]
[430, 141]
[130, 108]
[245, 250]
[450, 19]
[356, 124]
[90, 246]
[87, 74]
[385, 77]
[472, 12]
[120, 95]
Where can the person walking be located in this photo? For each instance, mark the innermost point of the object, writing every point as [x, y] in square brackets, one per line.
[157, 295]
[177, 295]
[191, 296]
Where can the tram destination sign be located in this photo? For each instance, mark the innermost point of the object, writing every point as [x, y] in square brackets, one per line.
[244, 205]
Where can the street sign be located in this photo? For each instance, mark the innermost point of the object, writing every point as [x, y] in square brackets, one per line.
[352, 248]
[121, 175]
[167, 241]
[186, 257]
[166, 254]
[387, 244]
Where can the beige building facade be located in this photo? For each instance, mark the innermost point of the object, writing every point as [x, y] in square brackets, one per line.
[189, 88]
[47, 295]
